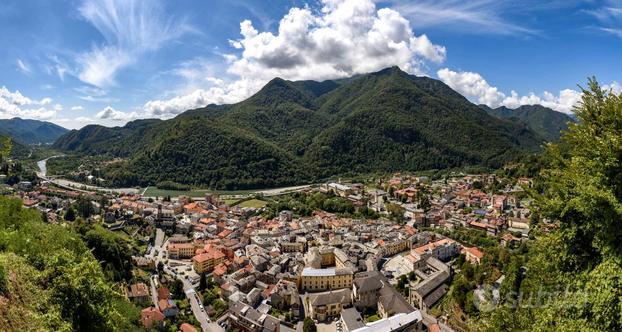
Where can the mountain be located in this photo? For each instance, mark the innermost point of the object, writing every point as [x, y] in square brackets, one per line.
[544, 121]
[294, 132]
[28, 131]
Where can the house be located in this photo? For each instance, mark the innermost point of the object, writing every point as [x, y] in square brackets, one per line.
[139, 293]
[168, 308]
[246, 318]
[163, 293]
[442, 249]
[185, 327]
[321, 306]
[426, 293]
[180, 250]
[473, 255]
[151, 317]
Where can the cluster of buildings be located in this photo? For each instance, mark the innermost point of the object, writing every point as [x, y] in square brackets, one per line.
[274, 272]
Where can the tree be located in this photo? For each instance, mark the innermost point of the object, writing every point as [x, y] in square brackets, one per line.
[84, 206]
[580, 190]
[308, 325]
[70, 215]
[177, 289]
[203, 282]
[160, 267]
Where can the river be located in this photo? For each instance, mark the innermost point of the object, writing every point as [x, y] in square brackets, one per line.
[42, 164]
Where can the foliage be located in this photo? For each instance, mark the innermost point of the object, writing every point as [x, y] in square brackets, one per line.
[542, 120]
[170, 185]
[56, 282]
[308, 325]
[112, 251]
[580, 190]
[70, 215]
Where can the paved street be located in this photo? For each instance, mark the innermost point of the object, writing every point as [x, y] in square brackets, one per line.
[193, 298]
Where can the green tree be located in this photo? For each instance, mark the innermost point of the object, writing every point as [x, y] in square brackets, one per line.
[308, 325]
[203, 282]
[70, 215]
[84, 206]
[580, 190]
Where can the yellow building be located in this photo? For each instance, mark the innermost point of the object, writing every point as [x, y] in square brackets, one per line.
[395, 247]
[180, 250]
[292, 247]
[206, 262]
[313, 279]
[322, 306]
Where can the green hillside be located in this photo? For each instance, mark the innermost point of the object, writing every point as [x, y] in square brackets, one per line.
[50, 280]
[544, 121]
[296, 132]
[28, 131]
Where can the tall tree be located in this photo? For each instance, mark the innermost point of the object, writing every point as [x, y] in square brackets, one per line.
[70, 215]
[580, 192]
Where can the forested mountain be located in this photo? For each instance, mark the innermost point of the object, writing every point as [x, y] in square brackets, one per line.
[294, 132]
[28, 131]
[542, 120]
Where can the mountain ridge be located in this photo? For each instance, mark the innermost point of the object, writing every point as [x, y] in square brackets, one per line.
[544, 121]
[28, 131]
[302, 131]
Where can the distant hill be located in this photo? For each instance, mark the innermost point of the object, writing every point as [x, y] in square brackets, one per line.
[296, 132]
[544, 121]
[28, 131]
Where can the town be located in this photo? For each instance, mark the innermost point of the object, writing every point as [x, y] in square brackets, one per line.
[340, 256]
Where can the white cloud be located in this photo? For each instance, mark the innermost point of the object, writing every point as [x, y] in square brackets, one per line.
[474, 86]
[112, 114]
[130, 28]
[609, 15]
[77, 108]
[614, 87]
[475, 16]
[14, 104]
[23, 67]
[346, 37]
[74, 123]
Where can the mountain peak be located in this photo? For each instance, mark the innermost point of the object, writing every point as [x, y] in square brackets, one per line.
[393, 70]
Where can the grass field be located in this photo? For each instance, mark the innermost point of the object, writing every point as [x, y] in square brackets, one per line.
[253, 203]
[154, 191]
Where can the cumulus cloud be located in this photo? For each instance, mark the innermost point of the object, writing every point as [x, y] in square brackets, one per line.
[112, 114]
[77, 108]
[130, 28]
[614, 87]
[14, 104]
[474, 86]
[344, 38]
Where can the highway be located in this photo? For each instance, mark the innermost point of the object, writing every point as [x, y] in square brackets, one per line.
[71, 185]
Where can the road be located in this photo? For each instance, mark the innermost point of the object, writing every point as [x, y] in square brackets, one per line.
[72, 185]
[193, 298]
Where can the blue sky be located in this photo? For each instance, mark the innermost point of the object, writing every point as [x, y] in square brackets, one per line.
[111, 61]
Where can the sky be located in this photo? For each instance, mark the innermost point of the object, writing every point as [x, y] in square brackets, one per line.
[108, 62]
